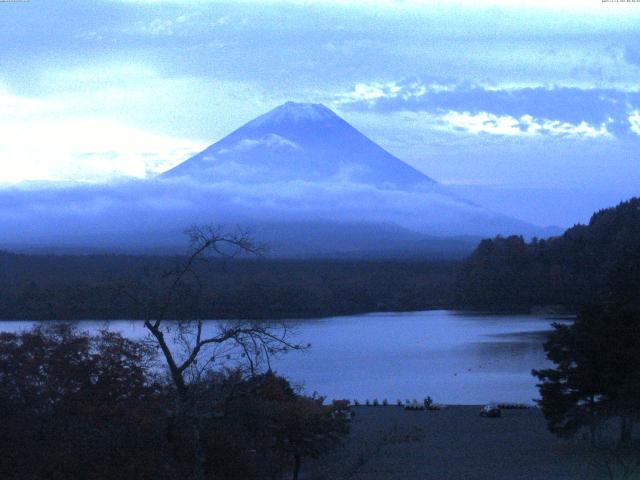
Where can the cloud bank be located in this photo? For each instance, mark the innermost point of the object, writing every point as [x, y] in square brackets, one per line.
[564, 111]
[154, 213]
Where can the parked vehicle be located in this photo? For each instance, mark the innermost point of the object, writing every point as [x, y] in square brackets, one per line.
[490, 410]
[342, 409]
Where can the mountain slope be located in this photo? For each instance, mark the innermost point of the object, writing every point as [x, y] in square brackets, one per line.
[301, 141]
[302, 162]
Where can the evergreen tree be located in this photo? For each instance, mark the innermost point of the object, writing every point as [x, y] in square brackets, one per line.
[570, 270]
[572, 395]
[597, 358]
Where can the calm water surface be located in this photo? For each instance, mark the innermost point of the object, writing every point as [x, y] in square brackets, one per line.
[455, 357]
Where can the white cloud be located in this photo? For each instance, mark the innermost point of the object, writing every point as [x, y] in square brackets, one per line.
[269, 141]
[86, 150]
[40, 142]
[370, 92]
[141, 95]
[485, 122]
[374, 91]
[114, 119]
[555, 127]
[124, 208]
[499, 109]
[17, 107]
[634, 122]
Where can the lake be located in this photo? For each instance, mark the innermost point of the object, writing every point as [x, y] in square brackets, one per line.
[454, 357]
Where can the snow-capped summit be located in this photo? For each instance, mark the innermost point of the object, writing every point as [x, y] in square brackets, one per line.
[296, 112]
[300, 141]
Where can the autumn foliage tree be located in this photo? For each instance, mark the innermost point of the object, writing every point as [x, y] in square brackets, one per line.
[75, 406]
[283, 427]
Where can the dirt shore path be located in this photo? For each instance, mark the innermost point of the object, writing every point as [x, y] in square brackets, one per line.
[389, 443]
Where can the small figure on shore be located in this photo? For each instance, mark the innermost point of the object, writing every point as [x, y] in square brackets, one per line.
[428, 403]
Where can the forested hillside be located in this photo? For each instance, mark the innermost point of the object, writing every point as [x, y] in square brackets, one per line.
[569, 270]
[83, 287]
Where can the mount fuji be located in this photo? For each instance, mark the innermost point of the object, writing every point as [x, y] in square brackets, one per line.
[299, 177]
[301, 162]
[301, 141]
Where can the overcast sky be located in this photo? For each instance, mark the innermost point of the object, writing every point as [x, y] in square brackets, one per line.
[543, 95]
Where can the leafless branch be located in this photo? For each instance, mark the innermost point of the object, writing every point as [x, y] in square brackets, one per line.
[253, 339]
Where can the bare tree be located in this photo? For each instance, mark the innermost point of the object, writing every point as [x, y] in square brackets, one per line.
[190, 346]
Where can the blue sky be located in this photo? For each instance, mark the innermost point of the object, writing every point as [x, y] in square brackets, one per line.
[490, 100]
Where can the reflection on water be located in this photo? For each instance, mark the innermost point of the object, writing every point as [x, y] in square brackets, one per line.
[539, 335]
[453, 357]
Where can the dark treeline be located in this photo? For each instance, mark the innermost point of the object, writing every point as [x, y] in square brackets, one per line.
[505, 273]
[569, 270]
[40, 287]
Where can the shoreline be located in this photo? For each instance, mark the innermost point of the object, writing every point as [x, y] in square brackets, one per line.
[458, 311]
